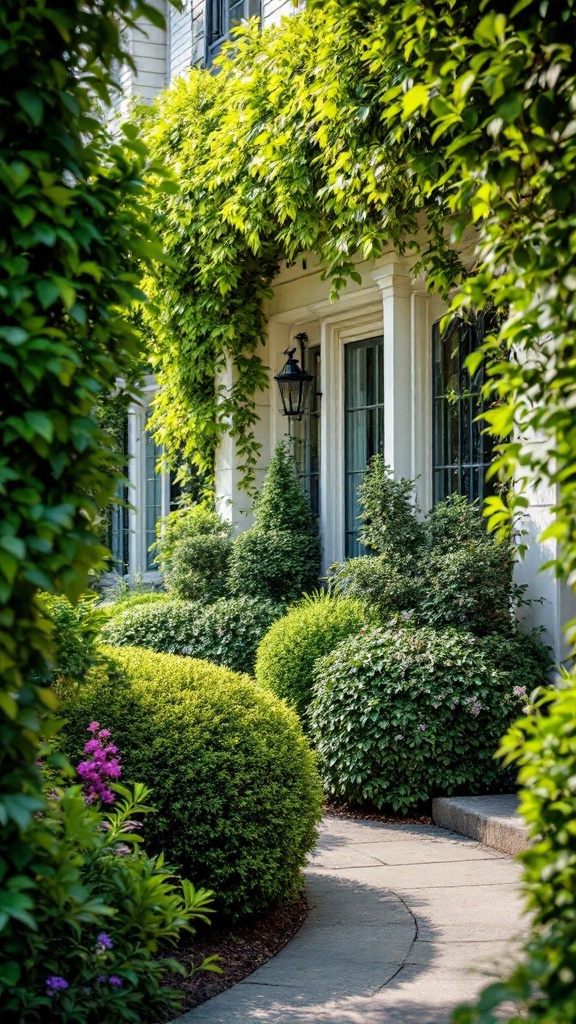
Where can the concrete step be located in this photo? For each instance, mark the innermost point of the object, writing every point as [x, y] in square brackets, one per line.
[492, 820]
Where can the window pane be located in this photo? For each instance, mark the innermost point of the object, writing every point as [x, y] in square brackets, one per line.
[364, 424]
[461, 454]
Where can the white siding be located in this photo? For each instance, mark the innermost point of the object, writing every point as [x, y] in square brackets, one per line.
[273, 10]
[180, 32]
[149, 53]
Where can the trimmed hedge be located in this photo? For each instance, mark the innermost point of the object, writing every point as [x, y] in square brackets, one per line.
[227, 632]
[402, 714]
[310, 630]
[162, 626]
[233, 778]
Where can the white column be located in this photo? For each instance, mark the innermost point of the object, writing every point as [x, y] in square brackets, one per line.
[232, 501]
[394, 281]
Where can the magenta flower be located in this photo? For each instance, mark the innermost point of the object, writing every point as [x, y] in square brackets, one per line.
[102, 766]
[115, 981]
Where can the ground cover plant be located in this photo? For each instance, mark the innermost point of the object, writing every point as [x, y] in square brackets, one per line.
[278, 558]
[227, 632]
[234, 780]
[310, 630]
[75, 242]
[401, 714]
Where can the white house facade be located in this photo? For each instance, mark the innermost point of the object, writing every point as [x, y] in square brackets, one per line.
[385, 378]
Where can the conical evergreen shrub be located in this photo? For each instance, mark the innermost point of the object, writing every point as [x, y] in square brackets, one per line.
[279, 556]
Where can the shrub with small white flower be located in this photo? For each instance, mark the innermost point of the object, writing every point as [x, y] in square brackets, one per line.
[94, 958]
[403, 714]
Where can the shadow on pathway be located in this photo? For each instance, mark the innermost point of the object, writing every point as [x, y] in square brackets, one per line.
[402, 920]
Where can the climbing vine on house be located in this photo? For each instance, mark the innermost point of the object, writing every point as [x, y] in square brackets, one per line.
[275, 156]
[354, 125]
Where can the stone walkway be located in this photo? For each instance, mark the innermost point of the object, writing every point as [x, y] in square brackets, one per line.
[405, 923]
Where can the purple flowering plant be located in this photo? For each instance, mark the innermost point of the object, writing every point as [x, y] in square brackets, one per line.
[103, 908]
[102, 766]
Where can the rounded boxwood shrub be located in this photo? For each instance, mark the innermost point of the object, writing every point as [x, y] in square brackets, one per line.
[402, 714]
[233, 777]
[227, 632]
[310, 630]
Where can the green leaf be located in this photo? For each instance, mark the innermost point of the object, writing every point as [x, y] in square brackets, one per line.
[32, 104]
[415, 99]
[14, 335]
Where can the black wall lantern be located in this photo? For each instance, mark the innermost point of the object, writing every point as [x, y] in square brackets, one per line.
[293, 381]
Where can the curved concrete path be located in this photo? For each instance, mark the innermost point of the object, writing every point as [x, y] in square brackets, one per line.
[405, 923]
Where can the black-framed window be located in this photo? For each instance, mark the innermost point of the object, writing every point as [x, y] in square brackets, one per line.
[307, 439]
[221, 17]
[461, 452]
[363, 424]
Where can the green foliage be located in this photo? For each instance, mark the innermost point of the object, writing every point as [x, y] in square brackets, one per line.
[233, 778]
[282, 504]
[310, 630]
[186, 523]
[165, 626]
[227, 632]
[76, 630]
[199, 568]
[466, 572]
[381, 584]
[137, 902]
[129, 600]
[274, 565]
[389, 522]
[451, 572]
[401, 714]
[279, 557]
[193, 549]
[75, 240]
[543, 747]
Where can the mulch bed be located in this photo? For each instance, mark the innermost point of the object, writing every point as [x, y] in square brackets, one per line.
[248, 946]
[345, 811]
[242, 950]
